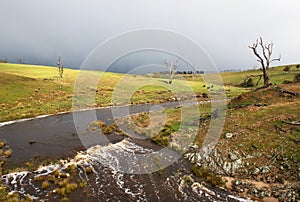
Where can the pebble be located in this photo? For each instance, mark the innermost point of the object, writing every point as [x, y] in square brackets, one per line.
[265, 169]
[256, 171]
[229, 135]
[232, 156]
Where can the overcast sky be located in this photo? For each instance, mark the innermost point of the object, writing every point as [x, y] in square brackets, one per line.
[39, 31]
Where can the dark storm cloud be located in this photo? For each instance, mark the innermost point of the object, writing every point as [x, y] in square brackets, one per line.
[40, 31]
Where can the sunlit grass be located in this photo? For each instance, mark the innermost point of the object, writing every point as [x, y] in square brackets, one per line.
[30, 90]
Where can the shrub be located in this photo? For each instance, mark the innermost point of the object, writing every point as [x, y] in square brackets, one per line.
[62, 192]
[204, 95]
[287, 82]
[161, 140]
[71, 187]
[297, 78]
[71, 167]
[163, 137]
[8, 153]
[39, 178]
[82, 183]
[250, 83]
[88, 170]
[247, 83]
[199, 171]
[63, 183]
[188, 179]
[208, 176]
[45, 185]
[3, 192]
[64, 199]
[2, 143]
[287, 68]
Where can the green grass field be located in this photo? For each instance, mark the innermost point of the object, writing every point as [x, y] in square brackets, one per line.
[30, 90]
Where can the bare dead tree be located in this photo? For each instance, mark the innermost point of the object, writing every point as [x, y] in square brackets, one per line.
[3, 61]
[60, 68]
[21, 60]
[171, 68]
[264, 57]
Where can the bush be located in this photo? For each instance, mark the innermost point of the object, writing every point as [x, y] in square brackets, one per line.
[199, 171]
[8, 153]
[250, 83]
[287, 82]
[45, 185]
[161, 140]
[208, 176]
[71, 187]
[287, 68]
[204, 95]
[3, 192]
[297, 78]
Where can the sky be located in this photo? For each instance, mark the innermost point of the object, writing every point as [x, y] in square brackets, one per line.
[40, 31]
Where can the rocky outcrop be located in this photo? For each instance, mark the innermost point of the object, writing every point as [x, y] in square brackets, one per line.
[239, 165]
[214, 160]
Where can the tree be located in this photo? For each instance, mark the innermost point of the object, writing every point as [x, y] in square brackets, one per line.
[297, 66]
[264, 57]
[60, 68]
[171, 68]
[21, 60]
[3, 61]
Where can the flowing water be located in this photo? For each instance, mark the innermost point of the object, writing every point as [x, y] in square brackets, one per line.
[101, 168]
[124, 170]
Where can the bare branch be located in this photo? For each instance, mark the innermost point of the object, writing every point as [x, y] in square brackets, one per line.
[264, 57]
[254, 49]
[292, 123]
[264, 48]
[276, 59]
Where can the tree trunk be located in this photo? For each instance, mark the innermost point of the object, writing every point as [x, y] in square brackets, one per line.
[170, 77]
[266, 78]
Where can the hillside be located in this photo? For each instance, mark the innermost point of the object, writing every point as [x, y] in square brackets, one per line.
[276, 75]
[257, 155]
[259, 149]
[29, 90]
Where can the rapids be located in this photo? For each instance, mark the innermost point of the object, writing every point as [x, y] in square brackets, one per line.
[110, 175]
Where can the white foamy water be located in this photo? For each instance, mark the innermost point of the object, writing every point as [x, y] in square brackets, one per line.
[108, 160]
[102, 168]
